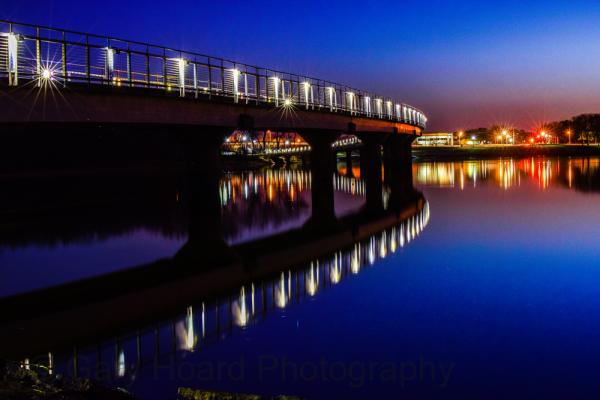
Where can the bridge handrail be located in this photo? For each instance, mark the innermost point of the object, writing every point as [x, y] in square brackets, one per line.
[42, 55]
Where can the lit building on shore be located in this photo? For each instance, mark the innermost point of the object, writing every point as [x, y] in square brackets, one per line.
[436, 139]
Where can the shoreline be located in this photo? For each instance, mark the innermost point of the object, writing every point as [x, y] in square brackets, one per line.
[456, 153]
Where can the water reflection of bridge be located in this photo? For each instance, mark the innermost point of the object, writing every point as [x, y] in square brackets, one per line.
[206, 322]
[575, 173]
[205, 266]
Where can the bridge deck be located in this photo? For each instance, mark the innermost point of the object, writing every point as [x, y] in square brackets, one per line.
[53, 60]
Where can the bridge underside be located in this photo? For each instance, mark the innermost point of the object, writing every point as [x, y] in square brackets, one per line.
[121, 105]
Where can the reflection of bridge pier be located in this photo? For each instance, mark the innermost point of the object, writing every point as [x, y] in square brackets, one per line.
[322, 169]
[398, 168]
[202, 173]
[370, 168]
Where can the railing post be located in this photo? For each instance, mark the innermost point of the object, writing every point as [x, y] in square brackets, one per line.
[110, 64]
[257, 76]
[195, 81]
[246, 87]
[164, 60]
[222, 78]
[147, 67]
[129, 78]
[181, 72]
[38, 55]
[64, 60]
[209, 80]
[13, 59]
[88, 67]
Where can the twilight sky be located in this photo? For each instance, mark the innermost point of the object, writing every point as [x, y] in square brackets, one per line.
[465, 63]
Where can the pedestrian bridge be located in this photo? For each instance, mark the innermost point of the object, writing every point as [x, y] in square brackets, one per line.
[79, 75]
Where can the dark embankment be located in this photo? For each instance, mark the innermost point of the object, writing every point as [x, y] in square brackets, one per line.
[483, 152]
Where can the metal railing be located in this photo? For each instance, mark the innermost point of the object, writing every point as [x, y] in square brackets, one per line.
[43, 55]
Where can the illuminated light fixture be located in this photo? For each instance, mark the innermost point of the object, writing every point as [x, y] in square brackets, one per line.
[306, 87]
[331, 96]
[110, 62]
[181, 63]
[287, 102]
[13, 59]
[276, 88]
[235, 74]
[47, 74]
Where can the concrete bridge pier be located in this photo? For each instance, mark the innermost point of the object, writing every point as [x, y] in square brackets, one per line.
[200, 147]
[348, 160]
[322, 168]
[370, 168]
[398, 169]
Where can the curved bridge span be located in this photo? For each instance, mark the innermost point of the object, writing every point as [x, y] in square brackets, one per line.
[84, 72]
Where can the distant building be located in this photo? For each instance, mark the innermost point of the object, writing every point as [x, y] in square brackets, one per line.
[435, 139]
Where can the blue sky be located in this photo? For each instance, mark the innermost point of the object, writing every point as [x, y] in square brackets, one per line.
[465, 63]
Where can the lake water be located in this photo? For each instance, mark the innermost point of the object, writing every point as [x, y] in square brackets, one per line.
[489, 289]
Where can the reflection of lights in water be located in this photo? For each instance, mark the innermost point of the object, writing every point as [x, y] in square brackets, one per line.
[240, 312]
[371, 251]
[185, 331]
[203, 321]
[393, 241]
[355, 260]
[281, 297]
[312, 283]
[121, 364]
[401, 232]
[190, 338]
[382, 245]
[252, 299]
[335, 269]
[339, 268]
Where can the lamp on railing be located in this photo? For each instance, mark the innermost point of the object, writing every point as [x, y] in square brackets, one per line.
[275, 80]
[182, 63]
[378, 107]
[110, 64]
[306, 89]
[388, 106]
[235, 82]
[331, 98]
[367, 105]
[13, 58]
[350, 101]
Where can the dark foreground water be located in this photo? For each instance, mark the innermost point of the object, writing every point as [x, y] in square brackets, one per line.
[491, 289]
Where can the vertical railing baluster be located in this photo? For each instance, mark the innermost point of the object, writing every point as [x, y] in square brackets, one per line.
[164, 60]
[88, 62]
[195, 79]
[147, 67]
[64, 59]
[222, 78]
[38, 56]
[257, 77]
[129, 77]
[209, 80]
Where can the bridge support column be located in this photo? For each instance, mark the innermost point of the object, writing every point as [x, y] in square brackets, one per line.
[398, 168]
[200, 193]
[322, 169]
[349, 172]
[370, 169]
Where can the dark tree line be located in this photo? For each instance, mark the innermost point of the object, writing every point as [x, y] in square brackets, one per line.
[584, 129]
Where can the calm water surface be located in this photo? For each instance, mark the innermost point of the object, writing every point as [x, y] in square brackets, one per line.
[492, 290]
